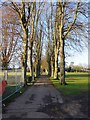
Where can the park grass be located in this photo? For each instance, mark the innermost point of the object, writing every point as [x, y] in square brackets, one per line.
[77, 83]
[14, 96]
[10, 73]
[10, 89]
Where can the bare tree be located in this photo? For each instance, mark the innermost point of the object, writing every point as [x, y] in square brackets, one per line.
[23, 10]
[56, 43]
[40, 45]
[9, 36]
[66, 32]
[70, 13]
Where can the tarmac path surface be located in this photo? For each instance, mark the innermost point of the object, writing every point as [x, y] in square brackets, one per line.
[29, 105]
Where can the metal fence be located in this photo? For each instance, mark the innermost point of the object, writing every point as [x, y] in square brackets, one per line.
[14, 82]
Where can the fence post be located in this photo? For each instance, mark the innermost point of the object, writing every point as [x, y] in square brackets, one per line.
[16, 78]
[22, 78]
[32, 73]
[6, 75]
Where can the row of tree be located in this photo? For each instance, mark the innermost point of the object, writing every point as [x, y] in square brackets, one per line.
[28, 26]
[68, 32]
[22, 35]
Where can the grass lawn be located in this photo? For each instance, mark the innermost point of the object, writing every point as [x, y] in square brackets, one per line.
[12, 98]
[77, 82]
[10, 90]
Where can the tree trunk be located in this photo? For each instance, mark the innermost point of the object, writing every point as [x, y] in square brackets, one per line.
[37, 70]
[56, 63]
[26, 54]
[62, 63]
[35, 67]
[39, 53]
[5, 66]
[56, 42]
[62, 44]
[39, 66]
[49, 66]
[52, 66]
[31, 63]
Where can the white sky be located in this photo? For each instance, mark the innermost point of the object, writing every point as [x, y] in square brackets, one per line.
[79, 58]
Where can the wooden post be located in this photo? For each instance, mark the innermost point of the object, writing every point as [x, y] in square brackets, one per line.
[22, 78]
[16, 79]
[6, 75]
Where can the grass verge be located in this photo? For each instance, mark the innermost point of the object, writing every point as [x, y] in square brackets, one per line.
[77, 83]
[17, 94]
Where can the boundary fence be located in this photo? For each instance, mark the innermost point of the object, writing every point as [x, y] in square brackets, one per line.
[14, 79]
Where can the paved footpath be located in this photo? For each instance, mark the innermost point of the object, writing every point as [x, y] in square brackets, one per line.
[30, 104]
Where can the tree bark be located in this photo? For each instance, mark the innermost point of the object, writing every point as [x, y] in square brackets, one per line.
[62, 63]
[38, 61]
[39, 53]
[31, 63]
[52, 66]
[49, 66]
[56, 44]
[4, 66]
[25, 53]
[62, 45]
[56, 63]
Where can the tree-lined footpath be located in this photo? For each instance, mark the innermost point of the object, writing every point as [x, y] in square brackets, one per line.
[61, 24]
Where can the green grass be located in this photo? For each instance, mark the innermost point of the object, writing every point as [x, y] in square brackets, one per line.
[10, 73]
[10, 90]
[13, 97]
[77, 83]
